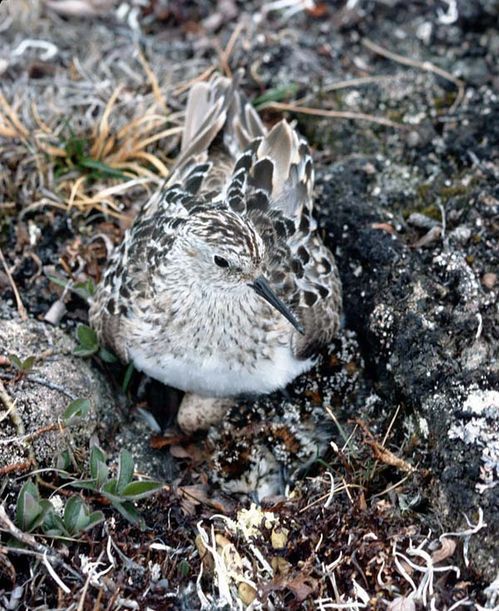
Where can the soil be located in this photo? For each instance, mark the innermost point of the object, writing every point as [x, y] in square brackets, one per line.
[391, 444]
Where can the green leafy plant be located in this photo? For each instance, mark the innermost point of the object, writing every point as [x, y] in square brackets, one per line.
[121, 490]
[88, 345]
[33, 512]
[78, 408]
[77, 156]
[85, 290]
[276, 94]
[127, 377]
[23, 366]
[31, 509]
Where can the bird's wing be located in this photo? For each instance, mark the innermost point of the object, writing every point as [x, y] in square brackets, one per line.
[130, 273]
[319, 302]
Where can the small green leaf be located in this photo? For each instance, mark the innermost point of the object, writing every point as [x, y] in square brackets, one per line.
[75, 515]
[141, 489]
[84, 352]
[184, 568]
[78, 407]
[28, 506]
[16, 362]
[59, 281]
[107, 356]
[86, 484]
[276, 94]
[87, 336]
[94, 164]
[28, 363]
[128, 377]
[63, 461]
[93, 519]
[85, 289]
[125, 470]
[129, 512]
[75, 148]
[53, 525]
[98, 468]
[110, 490]
[88, 341]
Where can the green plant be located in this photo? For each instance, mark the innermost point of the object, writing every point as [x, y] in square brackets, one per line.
[85, 290]
[78, 156]
[24, 366]
[121, 490]
[88, 345]
[276, 94]
[78, 408]
[33, 512]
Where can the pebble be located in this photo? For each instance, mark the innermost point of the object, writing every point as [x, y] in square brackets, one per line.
[489, 280]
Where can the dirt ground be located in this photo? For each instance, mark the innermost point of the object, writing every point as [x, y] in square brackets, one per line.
[372, 481]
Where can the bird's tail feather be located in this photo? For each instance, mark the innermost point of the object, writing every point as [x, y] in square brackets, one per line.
[218, 109]
[219, 119]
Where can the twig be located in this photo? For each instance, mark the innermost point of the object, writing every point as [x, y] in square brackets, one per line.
[381, 453]
[348, 83]
[390, 488]
[36, 380]
[156, 89]
[390, 426]
[227, 52]
[48, 428]
[11, 409]
[323, 497]
[51, 385]
[201, 77]
[334, 114]
[414, 63]
[18, 467]
[54, 575]
[20, 307]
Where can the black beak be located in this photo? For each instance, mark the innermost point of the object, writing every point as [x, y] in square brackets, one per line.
[262, 288]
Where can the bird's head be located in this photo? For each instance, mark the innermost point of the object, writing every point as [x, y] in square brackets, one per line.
[224, 251]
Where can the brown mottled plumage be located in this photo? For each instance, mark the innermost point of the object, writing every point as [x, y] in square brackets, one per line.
[223, 286]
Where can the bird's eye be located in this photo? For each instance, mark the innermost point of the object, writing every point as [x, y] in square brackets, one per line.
[221, 262]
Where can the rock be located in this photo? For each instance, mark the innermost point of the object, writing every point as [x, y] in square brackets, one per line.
[42, 394]
[473, 70]
[428, 331]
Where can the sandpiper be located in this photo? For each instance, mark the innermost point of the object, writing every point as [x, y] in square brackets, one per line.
[223, 286]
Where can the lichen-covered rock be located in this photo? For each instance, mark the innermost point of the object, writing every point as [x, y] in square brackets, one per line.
[33, 431]
[427, 322]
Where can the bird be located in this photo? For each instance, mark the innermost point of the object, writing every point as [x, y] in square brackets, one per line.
[223, 287]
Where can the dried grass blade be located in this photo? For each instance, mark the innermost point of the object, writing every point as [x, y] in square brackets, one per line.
[334, 114]
[164, 134]
[156, 90]
[11, 115]
[102, 130]
[153, 160]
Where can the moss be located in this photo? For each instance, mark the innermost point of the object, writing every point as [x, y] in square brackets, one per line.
[442, 103]
[432, 212]
[395, 115]
[424, 191]
[447, 193]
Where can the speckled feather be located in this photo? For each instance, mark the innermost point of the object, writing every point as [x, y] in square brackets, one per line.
[245, 190]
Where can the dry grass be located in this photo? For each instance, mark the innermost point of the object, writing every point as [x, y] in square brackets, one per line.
[107, 153]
